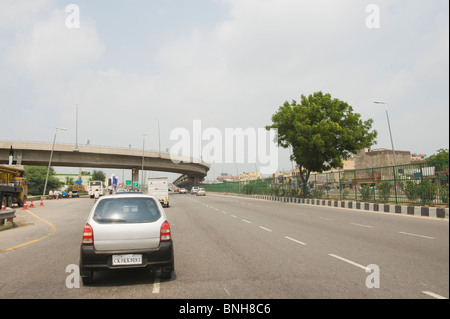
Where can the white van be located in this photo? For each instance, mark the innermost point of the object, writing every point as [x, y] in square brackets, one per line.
[158, 187]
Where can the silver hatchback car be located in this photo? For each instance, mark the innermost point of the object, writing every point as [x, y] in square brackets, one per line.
[126, 230]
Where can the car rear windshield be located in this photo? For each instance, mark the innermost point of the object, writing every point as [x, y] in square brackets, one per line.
[126, 210]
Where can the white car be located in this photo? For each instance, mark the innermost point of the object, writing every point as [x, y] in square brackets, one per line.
[127, 230]
[183, 190]
[201, 192]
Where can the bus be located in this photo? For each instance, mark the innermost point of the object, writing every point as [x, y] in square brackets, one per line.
[93, 185]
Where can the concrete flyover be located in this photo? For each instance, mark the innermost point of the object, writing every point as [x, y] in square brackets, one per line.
[36, 153]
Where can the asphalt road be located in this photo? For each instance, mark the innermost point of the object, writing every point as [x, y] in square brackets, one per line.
[230, 247]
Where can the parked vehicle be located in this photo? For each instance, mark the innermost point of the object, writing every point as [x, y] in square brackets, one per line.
[13, 186]
[127, 230]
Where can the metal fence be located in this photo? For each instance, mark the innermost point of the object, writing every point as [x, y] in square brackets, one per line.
[415, 184]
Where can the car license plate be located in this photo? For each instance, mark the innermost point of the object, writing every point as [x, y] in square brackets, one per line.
[130, 259]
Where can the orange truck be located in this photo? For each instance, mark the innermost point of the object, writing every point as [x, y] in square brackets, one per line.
[13, 185]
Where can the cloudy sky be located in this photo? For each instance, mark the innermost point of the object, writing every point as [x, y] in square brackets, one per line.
[228, 63]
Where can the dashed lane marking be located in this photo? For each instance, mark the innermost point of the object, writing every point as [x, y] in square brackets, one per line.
[416, 235]
[295, 240]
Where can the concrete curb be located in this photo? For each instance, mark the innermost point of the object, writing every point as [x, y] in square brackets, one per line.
[433, 212]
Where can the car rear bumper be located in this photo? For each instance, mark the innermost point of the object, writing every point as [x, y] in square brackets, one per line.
[161, 257]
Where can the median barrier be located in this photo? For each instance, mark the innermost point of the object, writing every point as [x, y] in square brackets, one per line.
[423, 211]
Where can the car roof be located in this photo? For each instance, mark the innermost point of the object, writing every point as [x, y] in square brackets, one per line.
[128, 194]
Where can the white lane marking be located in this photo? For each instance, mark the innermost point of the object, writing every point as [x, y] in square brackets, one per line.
[156, 286]
[217, 209]
[361, 225]
[417, 235]
[349, 261]
[326, 218]
[266, 229]
[295, 240]
[226, 291]
[224, 212]
[247, 221]
[233, 216]
[432, 294]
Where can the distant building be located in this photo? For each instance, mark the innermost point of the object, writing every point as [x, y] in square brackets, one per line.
[84, 178]
[381, 157]
[224, 177]
[249, 176]
[418, 157]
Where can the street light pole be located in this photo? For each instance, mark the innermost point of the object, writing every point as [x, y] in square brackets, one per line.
[142, 172]
[390, 132]
[393, 150]
[159, 139]
[50, 161]
[76, 128]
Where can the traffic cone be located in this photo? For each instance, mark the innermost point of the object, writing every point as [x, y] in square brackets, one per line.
[3, 205]
[25, 205]
[31, 205]
[42, 203]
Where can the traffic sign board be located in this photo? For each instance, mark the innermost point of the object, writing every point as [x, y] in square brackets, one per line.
[135, 184]
[128, 183]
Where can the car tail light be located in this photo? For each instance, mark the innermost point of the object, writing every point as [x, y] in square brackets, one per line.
[88, 235]
[165, 232]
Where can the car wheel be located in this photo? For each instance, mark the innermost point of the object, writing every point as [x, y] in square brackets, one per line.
[87, 277]
[166, 274]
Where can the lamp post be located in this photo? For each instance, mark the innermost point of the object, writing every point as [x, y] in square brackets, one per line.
[393, 150]
[389, 125]
[76, 128]
[51, 155]
[159, 137]
[142, 172]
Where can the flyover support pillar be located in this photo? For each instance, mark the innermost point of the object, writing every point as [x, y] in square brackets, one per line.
[134, 175]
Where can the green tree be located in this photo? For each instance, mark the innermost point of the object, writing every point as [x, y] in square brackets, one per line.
[440, 159]
[322, 133]
[384, 189]
[98, 176]
[441, 155]
[429, 189]
[70, 180]
[36, 175]
[366, 193]
[412, 190]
